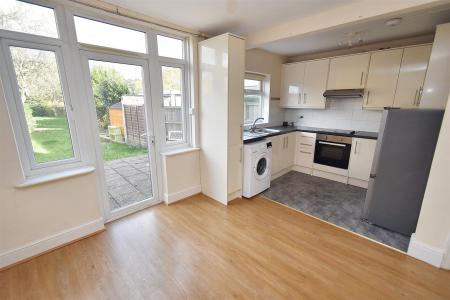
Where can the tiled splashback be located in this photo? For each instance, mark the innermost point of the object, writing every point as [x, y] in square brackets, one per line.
[339, 114]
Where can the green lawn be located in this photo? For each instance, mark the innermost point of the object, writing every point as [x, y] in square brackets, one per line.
[113, 151]
[51, 141]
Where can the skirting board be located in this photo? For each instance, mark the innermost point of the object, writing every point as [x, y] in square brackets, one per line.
[330, 176]
[429, 254]
[281, 173]
[174, 197]
[49, 243]
[358, 182]
[301, 169]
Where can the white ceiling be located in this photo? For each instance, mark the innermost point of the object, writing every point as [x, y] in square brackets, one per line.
[414, 24]
[218, 16]
[248, 16]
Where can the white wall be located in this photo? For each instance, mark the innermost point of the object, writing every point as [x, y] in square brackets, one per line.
[260, 61]
[431, 239]
[339, 114]
[181, 175]
[38, 213]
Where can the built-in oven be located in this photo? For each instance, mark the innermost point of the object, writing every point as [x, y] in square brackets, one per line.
[333, 150]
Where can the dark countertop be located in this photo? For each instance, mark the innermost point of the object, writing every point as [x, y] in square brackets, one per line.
[284, 130]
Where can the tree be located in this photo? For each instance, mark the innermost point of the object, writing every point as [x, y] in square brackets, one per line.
[108, 86]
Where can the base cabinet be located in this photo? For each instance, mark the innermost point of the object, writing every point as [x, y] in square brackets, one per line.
[361, 158]
[304, 151]
[283, 148]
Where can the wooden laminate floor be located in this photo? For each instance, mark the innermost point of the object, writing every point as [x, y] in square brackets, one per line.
[199, 249]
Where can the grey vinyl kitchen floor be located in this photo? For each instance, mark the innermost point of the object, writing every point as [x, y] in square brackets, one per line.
[335, 202]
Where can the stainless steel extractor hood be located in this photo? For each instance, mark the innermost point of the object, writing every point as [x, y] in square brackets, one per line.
[344, 93]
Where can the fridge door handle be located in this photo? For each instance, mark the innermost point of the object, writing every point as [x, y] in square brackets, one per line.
[373, 175]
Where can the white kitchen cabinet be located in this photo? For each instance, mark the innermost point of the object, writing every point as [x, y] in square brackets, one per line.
[221, 115]
[288, 150]
[361, 158]
[315, 83]
[277, 152]
[412, 75]
[283, 148]
[382, 78]
[304, 151]
[348, 72]
[292, 76]
[437, 84]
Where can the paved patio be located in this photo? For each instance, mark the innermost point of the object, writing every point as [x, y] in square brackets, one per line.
[128, 181]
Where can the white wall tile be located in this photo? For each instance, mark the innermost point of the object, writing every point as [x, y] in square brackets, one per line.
[338, 114]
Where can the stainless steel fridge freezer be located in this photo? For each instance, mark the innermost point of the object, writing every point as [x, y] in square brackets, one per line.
[400, 169]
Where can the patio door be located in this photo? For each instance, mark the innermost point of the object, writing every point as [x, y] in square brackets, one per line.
[122, 114]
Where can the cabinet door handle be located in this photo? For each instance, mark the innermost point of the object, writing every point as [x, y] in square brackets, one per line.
[287, 142]
[305, 152]
[356, 147]
[361, 80]
[415, 97]
[419, 96]
[299, 98]
[240, 154]
[242, 131]
[304, 98]
[368, 95]
[305, 144]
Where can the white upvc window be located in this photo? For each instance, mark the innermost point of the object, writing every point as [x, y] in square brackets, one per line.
[48, 37]
[175, 104]
[37, 89]
[256, 97]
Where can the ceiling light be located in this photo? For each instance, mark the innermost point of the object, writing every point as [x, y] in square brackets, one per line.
[393, 22]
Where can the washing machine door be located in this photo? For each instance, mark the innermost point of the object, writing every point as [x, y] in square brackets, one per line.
[261, 167]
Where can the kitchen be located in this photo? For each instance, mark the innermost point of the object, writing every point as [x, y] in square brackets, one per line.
[339, 113]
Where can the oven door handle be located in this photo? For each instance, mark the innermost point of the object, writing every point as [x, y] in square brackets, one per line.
[333, 144]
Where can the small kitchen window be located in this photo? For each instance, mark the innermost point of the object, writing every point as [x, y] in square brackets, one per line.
[256, 97]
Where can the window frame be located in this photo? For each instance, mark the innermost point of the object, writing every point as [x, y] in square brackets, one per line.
[184, 64]
[264, 92]
[70, 54]
[23, 139]
[11, 33]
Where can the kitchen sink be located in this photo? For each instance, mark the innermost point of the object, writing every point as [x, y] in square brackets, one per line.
[265, 130]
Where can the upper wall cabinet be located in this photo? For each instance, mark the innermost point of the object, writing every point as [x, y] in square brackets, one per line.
[315, 83]
[303, 84]
[292, 76]
[382, 78]
[437, 83]
[348, 72]
[412, 75]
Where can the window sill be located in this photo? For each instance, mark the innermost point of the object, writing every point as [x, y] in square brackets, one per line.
[55, 176]
[179, 151]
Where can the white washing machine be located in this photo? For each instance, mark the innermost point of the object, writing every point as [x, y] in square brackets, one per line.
[257, 167]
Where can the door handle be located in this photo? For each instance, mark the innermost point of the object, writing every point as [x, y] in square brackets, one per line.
[415, 97]
[356, 146]
[361, 80]
[419, 96]
[332, 144]
[368, 95]
[373, 175]
[304, 98]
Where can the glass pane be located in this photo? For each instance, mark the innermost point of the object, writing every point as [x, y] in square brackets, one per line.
[173, 103]
[252, 108]
[250, 84]
[170, 47]
[121, 119]
[26, 17]
[111, 36]
[43, 101]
